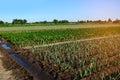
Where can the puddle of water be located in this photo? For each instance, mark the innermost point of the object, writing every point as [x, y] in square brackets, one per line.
[0, 41]
[27, 66]
[23, 63]
[5, 46]
[19, 60]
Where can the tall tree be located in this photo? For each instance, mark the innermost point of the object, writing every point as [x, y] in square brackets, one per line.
[55, 21]
[109, 20]
[1, 22]
[19, 21]
[64, 21]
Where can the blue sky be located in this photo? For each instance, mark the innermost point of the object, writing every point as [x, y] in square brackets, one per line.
[73, 10]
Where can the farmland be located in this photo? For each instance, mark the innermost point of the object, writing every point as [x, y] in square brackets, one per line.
[85, 60]
[97, 59]
[60, 40]
[49, 27]
[38, 37]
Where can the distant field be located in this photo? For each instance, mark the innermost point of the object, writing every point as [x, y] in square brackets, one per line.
[18, 28]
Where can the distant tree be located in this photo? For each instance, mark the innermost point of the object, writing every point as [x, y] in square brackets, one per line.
[109, 20]
[55, 21]
[1, 22]
[14, 21]
[19, 21]
[82, 21]
[23, 21]
[98, 21]
[64, 21]
[116, 21]
[89, 21]
[44, 22]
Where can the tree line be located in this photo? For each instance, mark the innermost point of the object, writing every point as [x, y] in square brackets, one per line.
[100, 21]
[15, 21]
[55, 21]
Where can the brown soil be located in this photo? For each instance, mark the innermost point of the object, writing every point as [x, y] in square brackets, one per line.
[4, 74]
[20, 73]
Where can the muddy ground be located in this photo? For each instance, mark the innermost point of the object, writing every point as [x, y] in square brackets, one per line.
[5, 74]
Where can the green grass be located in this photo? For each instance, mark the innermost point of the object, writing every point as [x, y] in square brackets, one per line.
[37, 37]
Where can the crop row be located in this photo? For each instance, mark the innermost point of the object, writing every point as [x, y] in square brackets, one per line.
[31, 38]
[87, 60]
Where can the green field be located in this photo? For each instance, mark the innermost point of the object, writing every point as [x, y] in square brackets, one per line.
[86, 60]
[27, 38]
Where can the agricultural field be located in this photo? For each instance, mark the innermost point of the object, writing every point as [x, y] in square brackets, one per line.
[86, 60]
[60, 40]
[38, 37]
[94, 59]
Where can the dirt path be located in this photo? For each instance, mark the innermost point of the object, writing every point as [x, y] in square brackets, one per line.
[5, 75]
[66, 42]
